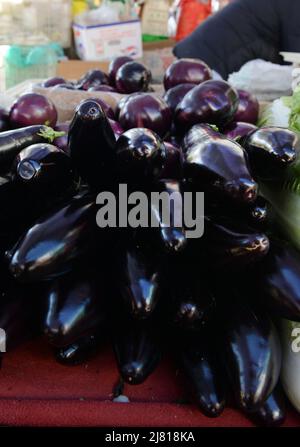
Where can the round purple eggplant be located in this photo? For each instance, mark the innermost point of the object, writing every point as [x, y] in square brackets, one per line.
[32, 108]
[238, 130]
[114, 67]
[51, 82]
[174, 95]
[248, 108]
[132, 77]
[92, 78]
[123, 101]
[101, 88]
[213, 102]
[192, 71]
[146, 110]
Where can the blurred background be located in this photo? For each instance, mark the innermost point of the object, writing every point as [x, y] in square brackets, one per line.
[37, 35]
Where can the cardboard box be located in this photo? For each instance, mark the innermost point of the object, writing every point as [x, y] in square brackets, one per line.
[105, 42]
[74, 69]
[155, 16]
[157, 56]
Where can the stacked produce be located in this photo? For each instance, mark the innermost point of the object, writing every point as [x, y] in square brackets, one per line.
[215, 298]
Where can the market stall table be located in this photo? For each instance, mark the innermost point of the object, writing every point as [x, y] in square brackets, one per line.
[37, 391]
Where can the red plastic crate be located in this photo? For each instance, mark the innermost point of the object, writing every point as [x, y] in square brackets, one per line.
[37, 391]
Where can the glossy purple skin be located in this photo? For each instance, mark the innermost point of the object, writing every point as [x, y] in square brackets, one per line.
[248, 108]
[106, 108]
[4, 120]
[132, 77]
[102, 88]
[191, 71]
[237, 130]
[146, 110]
[116, 127]
[114, 67]
[32, 108]
[174, 95]
[173, 166]
[141, 156]
[92, 78]
[62, 142]
[51, 82]
[54, 241]
[124, 100]
[219, 163]
[279, 281]
[253, 355]
[213, 102]
[272, 413]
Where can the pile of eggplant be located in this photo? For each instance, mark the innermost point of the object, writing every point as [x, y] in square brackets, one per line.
[212, 302]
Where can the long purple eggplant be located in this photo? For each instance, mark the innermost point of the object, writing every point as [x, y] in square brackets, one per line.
[91, 144]
[138, 350]
[138, 280]
[270, 150]
[74, 308]
[49, 247]
[141, 156]
[256, 215]
[272, 413]
[13, 141]
[188, 301]
[278, 281]
[79, 351]
[204, 372]
[43, 166]
[252, 353]
[20, 313]
[218, 164]
[171, 231]
[233, 244]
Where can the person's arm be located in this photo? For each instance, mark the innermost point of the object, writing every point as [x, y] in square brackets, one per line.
[242, 31]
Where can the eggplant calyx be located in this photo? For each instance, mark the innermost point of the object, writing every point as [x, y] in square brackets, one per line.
[50, 134]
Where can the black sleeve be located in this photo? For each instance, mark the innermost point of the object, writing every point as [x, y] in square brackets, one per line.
[242, 31]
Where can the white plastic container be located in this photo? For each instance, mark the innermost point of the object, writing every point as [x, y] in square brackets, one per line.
[290, 375]
[105, 42]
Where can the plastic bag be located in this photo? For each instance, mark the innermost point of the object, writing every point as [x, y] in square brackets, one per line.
[265, 80]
